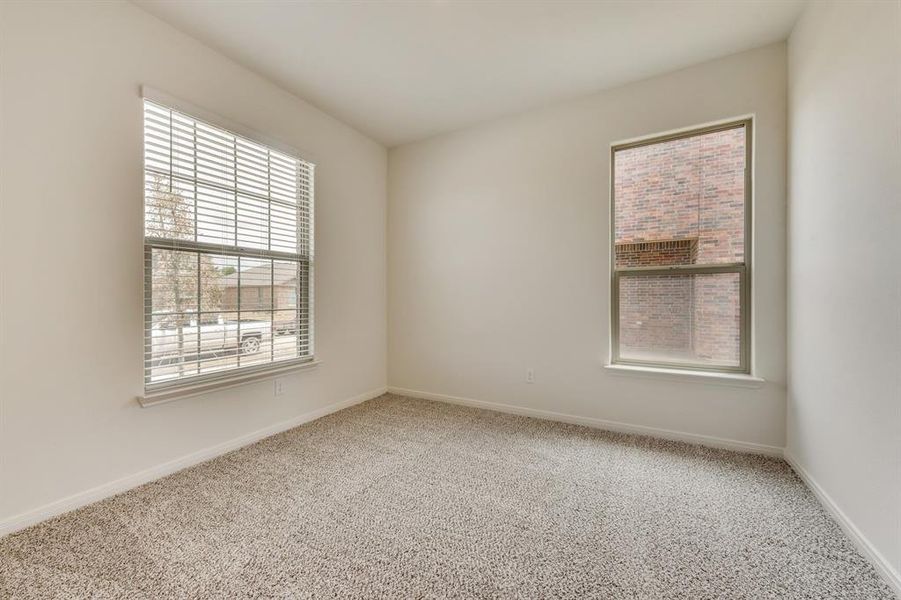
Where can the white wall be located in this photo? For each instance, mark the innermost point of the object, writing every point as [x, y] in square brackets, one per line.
[71, 249]
[844, 400]
[498, 255]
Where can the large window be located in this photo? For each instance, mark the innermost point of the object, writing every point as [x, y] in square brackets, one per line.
[681, 249]
[228, 253]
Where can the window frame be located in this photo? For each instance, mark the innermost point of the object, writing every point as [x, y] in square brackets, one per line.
[743, 269]
[166, 390]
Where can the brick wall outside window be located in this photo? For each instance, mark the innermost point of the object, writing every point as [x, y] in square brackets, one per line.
[681, 202]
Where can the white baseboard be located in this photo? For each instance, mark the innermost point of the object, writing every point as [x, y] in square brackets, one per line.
[667, 434]
[879, 562]
[128, 482]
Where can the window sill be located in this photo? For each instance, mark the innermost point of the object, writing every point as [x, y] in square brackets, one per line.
[710, 377]
[177, 392]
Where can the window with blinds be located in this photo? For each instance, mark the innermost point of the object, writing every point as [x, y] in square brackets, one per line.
[228, 253]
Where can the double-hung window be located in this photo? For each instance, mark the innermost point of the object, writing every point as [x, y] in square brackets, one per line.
[681, 250]
[228, 254]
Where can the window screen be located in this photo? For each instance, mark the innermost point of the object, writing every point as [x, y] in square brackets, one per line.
[228, 252]
[680, 250]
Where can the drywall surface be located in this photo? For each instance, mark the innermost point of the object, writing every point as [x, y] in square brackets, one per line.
[71, 249]
[844, 398]
[498, 256]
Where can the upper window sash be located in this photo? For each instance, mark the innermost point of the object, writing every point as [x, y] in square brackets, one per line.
[235, 192]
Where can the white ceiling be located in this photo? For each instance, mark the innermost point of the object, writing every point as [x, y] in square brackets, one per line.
[402, 71]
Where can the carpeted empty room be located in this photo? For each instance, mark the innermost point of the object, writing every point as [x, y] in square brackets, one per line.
[495, 299]
[411, 498]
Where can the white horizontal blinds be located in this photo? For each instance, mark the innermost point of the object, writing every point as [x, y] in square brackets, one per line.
[228, 250]
[243, 194]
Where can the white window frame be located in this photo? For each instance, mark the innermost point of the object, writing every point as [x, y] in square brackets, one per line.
[165, 391]
[743, 269]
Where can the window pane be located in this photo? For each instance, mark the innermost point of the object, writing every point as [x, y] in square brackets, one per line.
[171, 350]
[284, 278]
[681, 201]
[173, 281]
[252, 167]
[157, 138]
[218, 341]
[253, 222]
[255, 339]
[255, 288]
[283, 230]
[218, 283]
[168, 208]
[682, 319]
[285, 342]
[215, 156]
[215, 216]
[183, 149]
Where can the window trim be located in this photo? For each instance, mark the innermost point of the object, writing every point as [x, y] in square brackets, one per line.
[738, 380]
[225, 379]
[168, 390]
[743, 269]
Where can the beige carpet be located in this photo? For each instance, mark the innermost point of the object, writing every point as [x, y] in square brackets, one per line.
[402, 498]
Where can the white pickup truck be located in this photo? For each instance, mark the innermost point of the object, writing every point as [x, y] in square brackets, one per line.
[215, 336]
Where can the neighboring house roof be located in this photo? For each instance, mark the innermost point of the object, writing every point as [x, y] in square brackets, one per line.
[285, 274]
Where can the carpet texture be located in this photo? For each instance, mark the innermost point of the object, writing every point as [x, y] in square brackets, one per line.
[404, 498]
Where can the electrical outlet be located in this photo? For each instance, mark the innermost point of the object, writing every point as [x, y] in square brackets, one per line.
[530, 376]
[279, 387]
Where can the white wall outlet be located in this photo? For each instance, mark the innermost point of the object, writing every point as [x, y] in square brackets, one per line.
[279, 387]
[530, 376]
